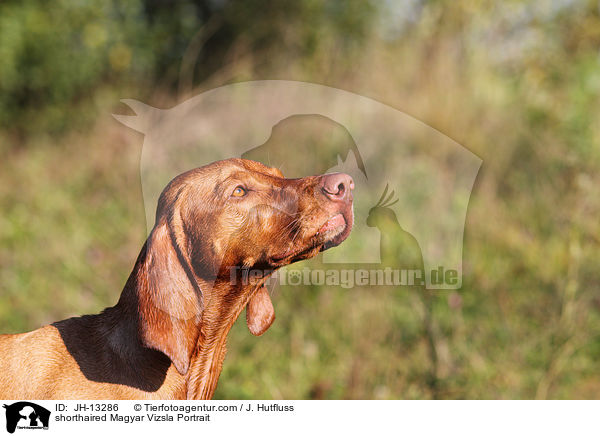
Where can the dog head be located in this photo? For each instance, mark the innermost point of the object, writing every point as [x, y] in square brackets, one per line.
[228, 216]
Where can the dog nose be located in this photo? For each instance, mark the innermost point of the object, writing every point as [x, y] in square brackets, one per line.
[337, 186]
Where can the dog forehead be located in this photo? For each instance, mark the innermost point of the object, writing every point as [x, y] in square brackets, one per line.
[261, 168]
[209, 178]
[223, 169]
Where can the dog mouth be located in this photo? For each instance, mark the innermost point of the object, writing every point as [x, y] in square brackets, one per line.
[331, 234]
[334, 225]
[294, 255]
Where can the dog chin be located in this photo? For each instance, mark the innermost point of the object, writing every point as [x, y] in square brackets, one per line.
[331, 234]
[337, 235]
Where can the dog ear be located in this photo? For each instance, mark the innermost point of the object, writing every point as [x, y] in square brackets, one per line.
[171, 304]
[259, 312]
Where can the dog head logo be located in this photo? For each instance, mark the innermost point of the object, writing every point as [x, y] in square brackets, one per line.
[26, 415]
[306, 129]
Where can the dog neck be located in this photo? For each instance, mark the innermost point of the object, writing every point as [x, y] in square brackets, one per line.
[199, 328]
[217, 320]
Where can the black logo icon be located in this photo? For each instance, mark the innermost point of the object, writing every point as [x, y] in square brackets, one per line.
[25, 415]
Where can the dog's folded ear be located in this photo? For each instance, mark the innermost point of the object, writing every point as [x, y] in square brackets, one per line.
[170, 305]
[259, 312]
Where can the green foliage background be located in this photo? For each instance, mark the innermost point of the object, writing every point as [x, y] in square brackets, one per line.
[516, 82]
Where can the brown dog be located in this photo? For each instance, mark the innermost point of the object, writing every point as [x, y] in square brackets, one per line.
[165, 338]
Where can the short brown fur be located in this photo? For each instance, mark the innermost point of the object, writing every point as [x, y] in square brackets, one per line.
[165, 338]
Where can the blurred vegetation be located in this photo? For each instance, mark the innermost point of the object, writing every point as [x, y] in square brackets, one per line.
[516, 82]
[62, 65]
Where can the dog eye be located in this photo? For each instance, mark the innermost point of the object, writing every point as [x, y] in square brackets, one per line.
[239, 191]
